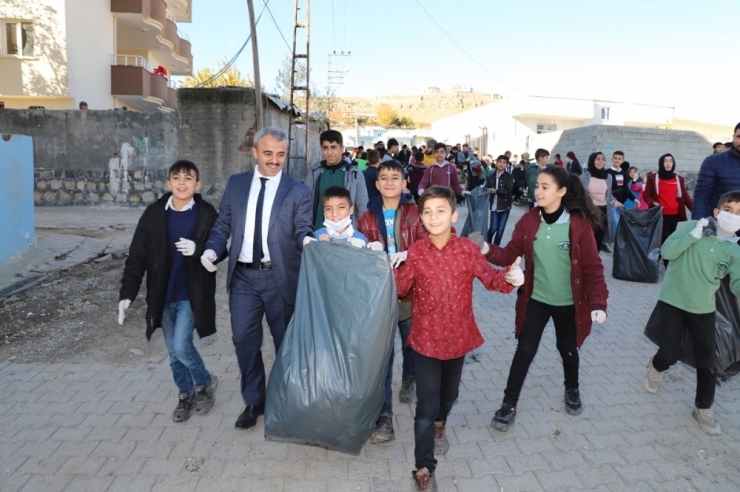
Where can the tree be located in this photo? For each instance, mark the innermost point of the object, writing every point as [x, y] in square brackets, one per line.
[206, 77]
[405, 122]
[322, 102]
[386, 115]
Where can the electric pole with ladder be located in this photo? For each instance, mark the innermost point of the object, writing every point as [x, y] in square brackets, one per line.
[296, 122]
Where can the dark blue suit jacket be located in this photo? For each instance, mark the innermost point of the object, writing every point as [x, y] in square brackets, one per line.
[290, 222]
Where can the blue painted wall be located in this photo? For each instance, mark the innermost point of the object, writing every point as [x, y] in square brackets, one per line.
[16, 194]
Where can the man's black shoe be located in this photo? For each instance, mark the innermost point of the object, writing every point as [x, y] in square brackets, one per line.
[248, 418]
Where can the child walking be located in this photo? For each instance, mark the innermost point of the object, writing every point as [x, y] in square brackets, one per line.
[439, 273]
[338, 212]
[563, 280]
[167, 245]
[700, 257]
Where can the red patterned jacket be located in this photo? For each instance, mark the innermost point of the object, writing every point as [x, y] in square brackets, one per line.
[441, 285]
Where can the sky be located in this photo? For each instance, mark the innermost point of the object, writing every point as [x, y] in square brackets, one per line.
[680, 53]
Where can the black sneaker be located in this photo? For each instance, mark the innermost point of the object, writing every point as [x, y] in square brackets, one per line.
[504, 417]
[573, 404]
[408, 386]
[205, 396]
[184, 407]
[383, 431]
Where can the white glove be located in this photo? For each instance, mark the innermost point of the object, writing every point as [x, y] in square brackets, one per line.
[699, 228]
[122, 307]
[466, 193]
[478, 239]
[357, 242]
[376, 246]
[207, 259]
[598, 316]
[398, 258]
[515, 275]
[307, 240]
[185, 246]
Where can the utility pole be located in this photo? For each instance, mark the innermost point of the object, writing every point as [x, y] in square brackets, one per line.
[256, 60]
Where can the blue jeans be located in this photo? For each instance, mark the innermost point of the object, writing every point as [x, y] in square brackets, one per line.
[187, 366]
[404, 327]
[498, 224]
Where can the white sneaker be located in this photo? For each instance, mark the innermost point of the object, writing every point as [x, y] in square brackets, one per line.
[652, 378]
[705, 418]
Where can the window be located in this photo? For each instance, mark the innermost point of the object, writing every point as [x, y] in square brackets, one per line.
[605, 113]
[17, 38]
[544, 128]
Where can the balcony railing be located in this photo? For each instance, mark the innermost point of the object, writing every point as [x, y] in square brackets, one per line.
[132, 61]
[182, 35]
[171, 17]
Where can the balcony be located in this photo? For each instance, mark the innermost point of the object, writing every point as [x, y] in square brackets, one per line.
[133, 80]
[153, 13]
[182, 9]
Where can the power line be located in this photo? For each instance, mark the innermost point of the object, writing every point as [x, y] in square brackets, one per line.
[463, 49]
[278, 27]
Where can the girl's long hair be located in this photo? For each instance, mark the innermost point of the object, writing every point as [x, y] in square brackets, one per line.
[576, 199]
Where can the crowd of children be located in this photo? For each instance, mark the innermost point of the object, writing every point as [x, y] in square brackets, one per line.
[405, 205]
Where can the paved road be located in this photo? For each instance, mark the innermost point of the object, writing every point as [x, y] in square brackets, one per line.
[105, 426]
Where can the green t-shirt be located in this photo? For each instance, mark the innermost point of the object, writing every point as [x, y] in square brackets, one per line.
[552, 264]
[329, 177]
[361, 164]
[696, 268]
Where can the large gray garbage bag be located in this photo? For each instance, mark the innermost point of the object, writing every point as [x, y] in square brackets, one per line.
[477, 220]
[327, 385]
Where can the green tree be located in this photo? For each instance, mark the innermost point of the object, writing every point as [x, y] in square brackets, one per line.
[386, 116]
[405, 122]
[207, 77]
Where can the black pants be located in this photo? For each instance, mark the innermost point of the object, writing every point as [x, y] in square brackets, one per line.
[600, 232]
[437, 385]
[538, 314]
[673, 322]
[670, 222]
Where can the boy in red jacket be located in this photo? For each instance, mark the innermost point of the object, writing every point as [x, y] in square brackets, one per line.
[439, 273]
[392, 224]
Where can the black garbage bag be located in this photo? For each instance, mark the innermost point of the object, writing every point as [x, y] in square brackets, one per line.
[727, 326]
[637, 245]
[327, 386]
[477, 219]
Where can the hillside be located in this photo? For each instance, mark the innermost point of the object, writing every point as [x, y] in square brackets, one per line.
[422, 109]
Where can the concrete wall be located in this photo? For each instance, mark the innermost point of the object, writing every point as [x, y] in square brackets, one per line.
[90, 157]
[217, 126]
[642, 146]
[16, 194]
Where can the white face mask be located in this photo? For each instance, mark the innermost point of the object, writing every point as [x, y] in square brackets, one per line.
[337, 227]
[728, 223]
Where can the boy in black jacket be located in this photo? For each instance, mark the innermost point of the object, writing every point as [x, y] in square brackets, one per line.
[167, 244]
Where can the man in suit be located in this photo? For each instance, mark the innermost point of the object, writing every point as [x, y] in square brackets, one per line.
[267, 214]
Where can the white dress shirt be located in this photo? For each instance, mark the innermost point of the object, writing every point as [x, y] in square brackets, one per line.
[187, 207]
[271, 186]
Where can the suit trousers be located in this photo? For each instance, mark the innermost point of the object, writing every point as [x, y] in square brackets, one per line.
[254, 294]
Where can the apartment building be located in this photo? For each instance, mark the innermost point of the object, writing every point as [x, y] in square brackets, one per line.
[108, 53]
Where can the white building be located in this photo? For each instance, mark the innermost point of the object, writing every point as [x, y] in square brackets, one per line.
[525, 123]
[368, 136]
[108, 53]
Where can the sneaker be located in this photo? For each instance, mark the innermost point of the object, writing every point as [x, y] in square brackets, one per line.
[504, 417]
[184, 407]
[424, 480]
[652, 378]
[205, 396]
[383, 431]
[705, 418]
[441, 444]
[572, 400]
[408, 386]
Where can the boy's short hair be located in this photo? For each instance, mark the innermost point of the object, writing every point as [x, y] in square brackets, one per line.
[717, 144]
[373, 156]
[729, 144]
[337, 192]
[729, 197]
[618, 152]
[502, 158]
[737, 127]
[440, 145]
[438, 192]
[540, 153]
[331, 136]
[391, 142]
[392, 165]
[183, 166]
[419, 156]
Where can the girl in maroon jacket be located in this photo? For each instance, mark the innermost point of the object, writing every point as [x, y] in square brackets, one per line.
[563, 280]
